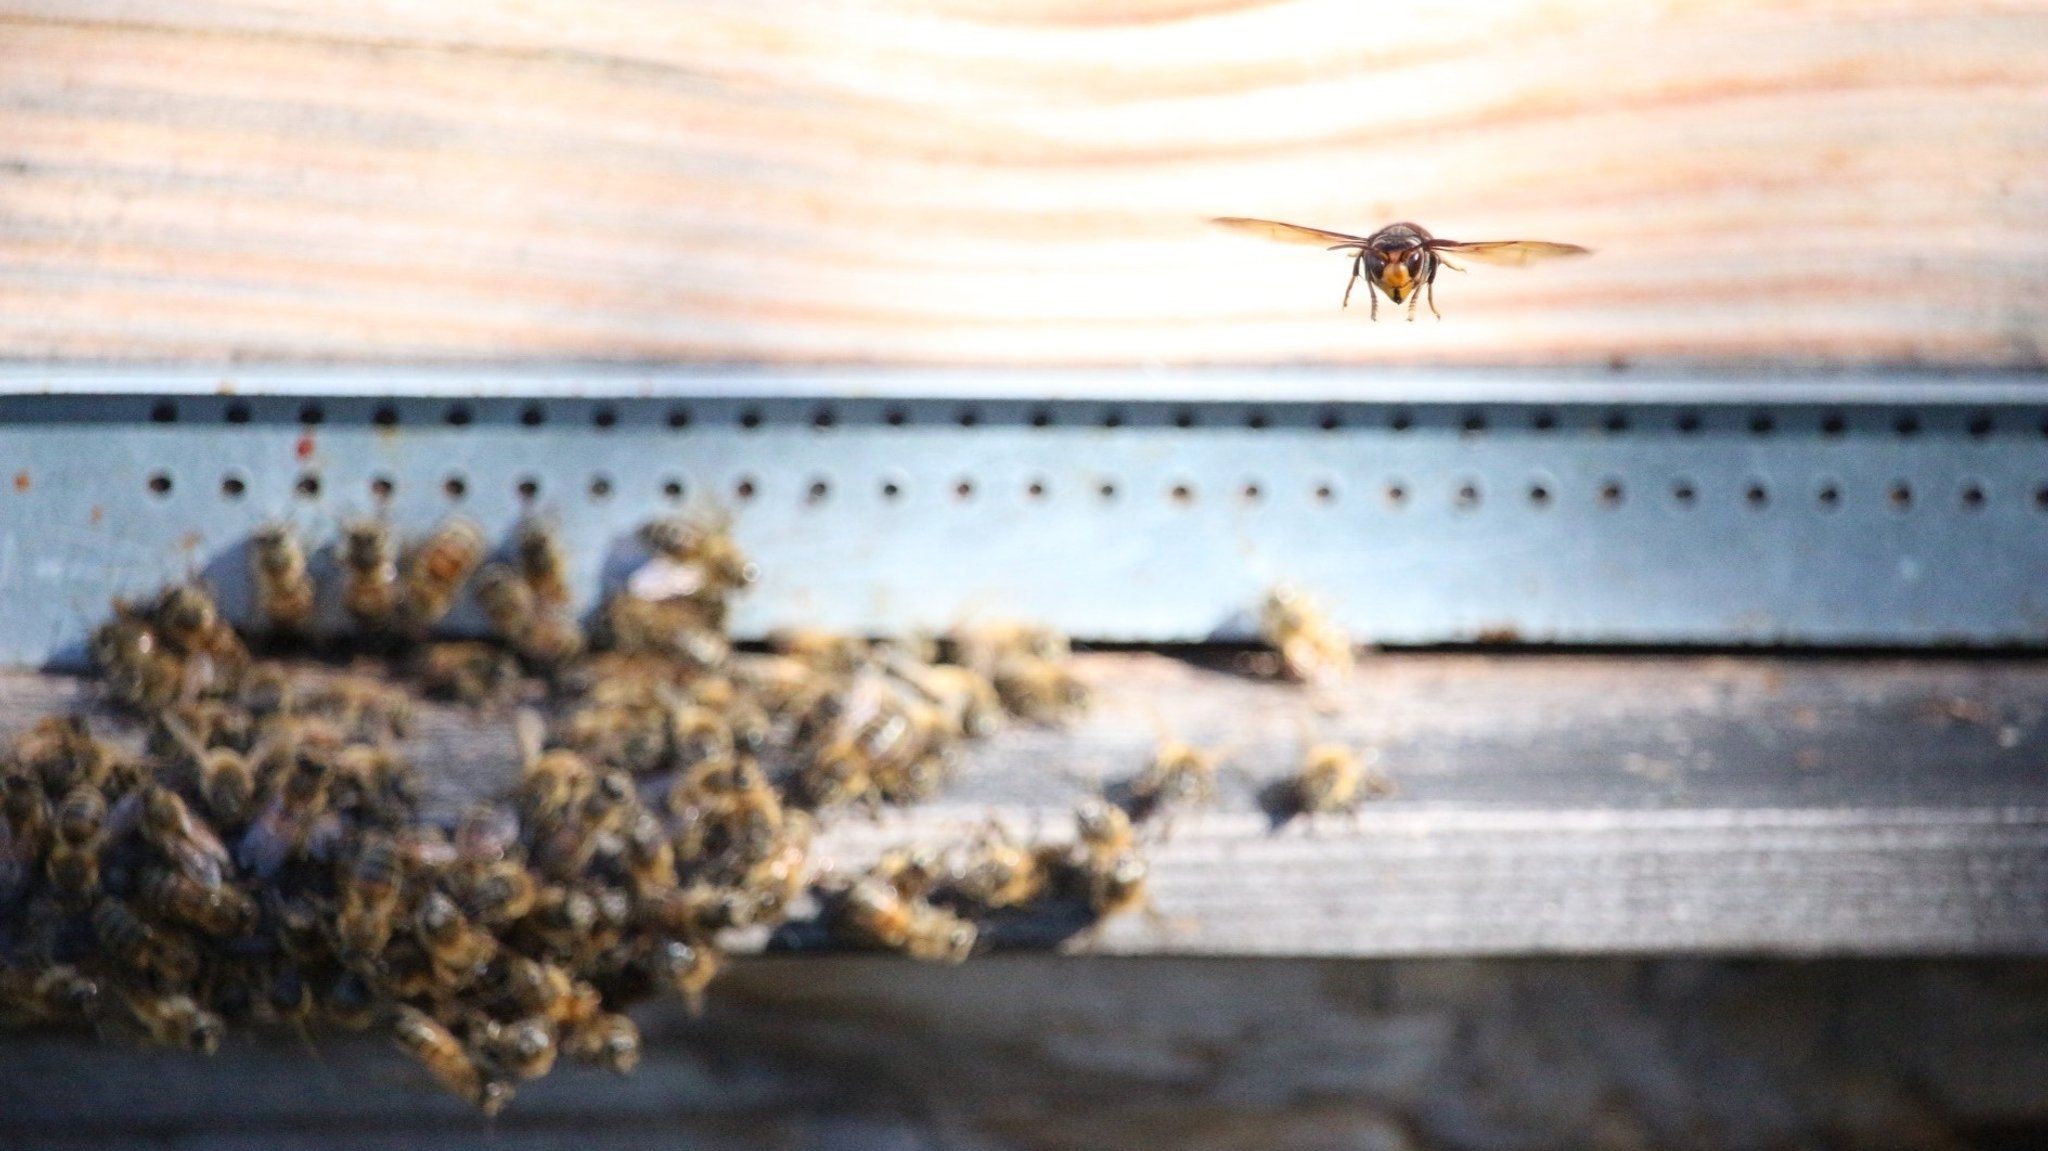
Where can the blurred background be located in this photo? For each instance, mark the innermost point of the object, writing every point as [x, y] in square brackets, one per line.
[999, 182]
[1770, 186]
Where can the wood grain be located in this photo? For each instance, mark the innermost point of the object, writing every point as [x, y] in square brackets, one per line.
[1548, 804]
[974, 182]
[868, 1054]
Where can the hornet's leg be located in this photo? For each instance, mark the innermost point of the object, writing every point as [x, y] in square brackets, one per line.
[1412, 301]
[1356, 262]
[1432, 299]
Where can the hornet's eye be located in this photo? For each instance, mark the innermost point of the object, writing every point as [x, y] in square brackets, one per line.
[1414, 261]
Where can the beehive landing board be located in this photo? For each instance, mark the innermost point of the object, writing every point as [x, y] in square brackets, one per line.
[972, 181]
[1057, 1054]
[1419, 508]
[1548, 804]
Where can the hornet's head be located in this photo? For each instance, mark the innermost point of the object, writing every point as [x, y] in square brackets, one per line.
[1398, 261]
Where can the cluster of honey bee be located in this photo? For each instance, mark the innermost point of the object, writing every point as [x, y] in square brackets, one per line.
[263, 857]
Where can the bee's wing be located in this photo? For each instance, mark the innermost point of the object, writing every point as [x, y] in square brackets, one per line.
[1286, 233]
[1513, 253]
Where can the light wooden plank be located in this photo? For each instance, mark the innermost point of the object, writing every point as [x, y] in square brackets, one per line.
[1000, 184]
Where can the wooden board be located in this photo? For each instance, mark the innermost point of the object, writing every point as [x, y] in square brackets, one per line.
[1013, 183]
[1548, 804]
[867, 1054]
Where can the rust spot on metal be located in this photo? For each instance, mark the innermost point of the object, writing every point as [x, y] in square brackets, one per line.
[190, 541]
[304, 450]
[1499, 633]
[98, 513]
[21, 481]
[225, 387]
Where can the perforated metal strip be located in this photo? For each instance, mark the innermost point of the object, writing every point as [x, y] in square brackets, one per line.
[1427, 509]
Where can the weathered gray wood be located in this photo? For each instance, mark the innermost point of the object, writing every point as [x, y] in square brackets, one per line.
[1041, 1052]
[1554, 803]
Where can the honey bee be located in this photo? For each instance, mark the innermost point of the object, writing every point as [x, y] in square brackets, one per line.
[547, 990]
[436, 569]
[284, 587]
[872, 912]
[609, 1040]
[1402, 259]
[59, 992]
[227, 781]
[1180, 775]
[404, 972]
[564, 850]
[375, 784]
[678, 628]
[500, 894]
[190, 625]
[967, 699]
[1312, 649]
[182, 838]
[289, 997]
[839, 772]
[999, 872]
[61, 751]
[631, 736]
[1333, 779]
[745, 717]
[650, 855]
[73, 864]
[1113, 873]
[370, 591]
[773, 876]
[1039, 690]
[369, 901]
[687, 966]
[350, 1002]
[465, 671]
[28, 814]
[523, 1049]
[826, 651]
[697, 734]
[459, 951]
[299, 923]
[543, 562]
[139, 670]
[186, 618]
[443, 1055]
[506, 601]
[1102, 828]
[293, 820]
[708, 545]
[205, 723]
[561, 920]
[1027, 665]
[541, 633]
[361, 707]
[1117, 884]
[221, 910]
[486, 834]
[983, 645]
[176, 1021]
[551, 782]
[125, 938]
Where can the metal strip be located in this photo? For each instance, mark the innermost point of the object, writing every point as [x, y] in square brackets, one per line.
[1910, 515]
[1193, 385]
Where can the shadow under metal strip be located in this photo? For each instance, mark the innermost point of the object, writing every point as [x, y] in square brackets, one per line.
[1867, 510]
